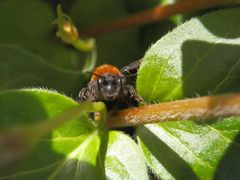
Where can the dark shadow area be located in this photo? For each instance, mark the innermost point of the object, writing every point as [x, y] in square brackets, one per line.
[217, 26]
[23, 106]
[38, 164]
[132, 6]
[171, 161]
[66, 4]
[29, 70]
[210, 68]
[104, 136]
[73, 169]
[229, 166]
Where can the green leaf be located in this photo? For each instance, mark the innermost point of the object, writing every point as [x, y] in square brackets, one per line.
[20, 68]
[18, 140]
[182, 62]
[200, 57]
[69, 151]
[123, 158]
[75, 150]
[195, 151]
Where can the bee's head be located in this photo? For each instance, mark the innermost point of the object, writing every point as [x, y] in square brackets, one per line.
[110, 86]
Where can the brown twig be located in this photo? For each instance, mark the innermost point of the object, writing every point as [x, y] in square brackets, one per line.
[192, 109]
[156, 14]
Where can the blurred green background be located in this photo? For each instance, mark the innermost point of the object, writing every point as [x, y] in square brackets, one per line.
[32, 56]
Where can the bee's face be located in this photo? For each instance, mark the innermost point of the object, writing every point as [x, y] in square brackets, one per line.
[108, 83]
[109, 86]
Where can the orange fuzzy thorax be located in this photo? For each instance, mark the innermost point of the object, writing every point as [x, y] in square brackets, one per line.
[104, 69]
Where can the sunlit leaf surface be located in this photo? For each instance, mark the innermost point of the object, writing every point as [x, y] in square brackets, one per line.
[200, 57]
[75, 150]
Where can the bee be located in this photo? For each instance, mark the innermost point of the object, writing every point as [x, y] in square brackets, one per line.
[110, 85]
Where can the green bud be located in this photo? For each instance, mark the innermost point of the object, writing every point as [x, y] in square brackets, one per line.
[66, 28]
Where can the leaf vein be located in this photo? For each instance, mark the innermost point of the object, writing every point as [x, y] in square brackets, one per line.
[31, 171]
[228, 75]
[200, 59]
[223, 136]
[186, 148]
[155, 87]
[72, 154]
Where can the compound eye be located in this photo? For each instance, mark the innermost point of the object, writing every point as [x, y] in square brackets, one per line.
[102, 81]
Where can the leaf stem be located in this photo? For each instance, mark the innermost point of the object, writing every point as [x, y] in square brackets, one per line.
[189, 109]
[156, 14]
[48, 126]
[68, 32]
[87, 45]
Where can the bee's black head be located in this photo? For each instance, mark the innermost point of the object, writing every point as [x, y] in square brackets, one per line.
[110, 86]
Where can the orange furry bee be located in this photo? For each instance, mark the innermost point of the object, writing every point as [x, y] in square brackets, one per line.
[109, 84]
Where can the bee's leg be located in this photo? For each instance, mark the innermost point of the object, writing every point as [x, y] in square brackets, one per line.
[85, 95]
[82, 96]
[132, 94]
[132, 68]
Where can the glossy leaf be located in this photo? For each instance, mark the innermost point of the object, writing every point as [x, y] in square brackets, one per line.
[182, 62]
[75, 150]
[199, 57]
[63, 152]
[123, 159]
[20, 68]
[18, 140]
